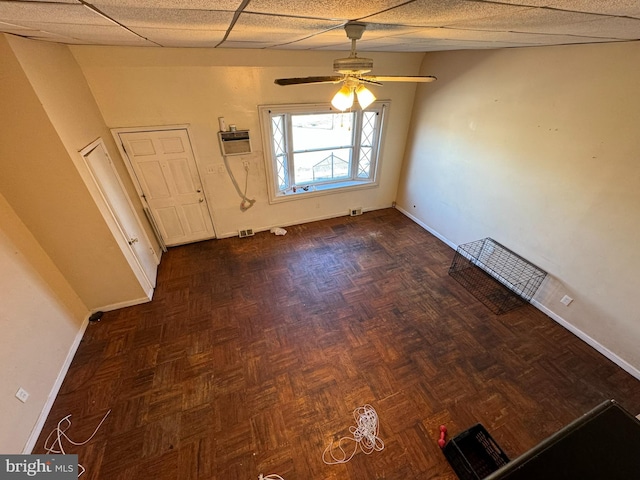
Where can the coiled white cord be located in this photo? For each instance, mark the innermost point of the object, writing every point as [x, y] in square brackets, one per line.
[246, 202]
[365, 435]
[273, 476]
[60, 433]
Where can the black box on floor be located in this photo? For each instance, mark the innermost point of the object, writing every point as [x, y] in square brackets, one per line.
[474, 454]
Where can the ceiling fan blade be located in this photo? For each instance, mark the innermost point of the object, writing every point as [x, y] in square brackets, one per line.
[370, 80]
[393, 78]
[304, 80]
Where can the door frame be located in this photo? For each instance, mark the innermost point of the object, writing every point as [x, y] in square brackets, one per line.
[134, 178]
[111, 219]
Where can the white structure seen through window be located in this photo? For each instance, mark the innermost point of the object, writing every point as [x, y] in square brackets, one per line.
[317, 149]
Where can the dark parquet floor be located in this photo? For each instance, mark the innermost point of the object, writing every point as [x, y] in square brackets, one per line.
[254, 353]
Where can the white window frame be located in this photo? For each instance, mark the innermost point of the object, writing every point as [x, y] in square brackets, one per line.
[267, 112]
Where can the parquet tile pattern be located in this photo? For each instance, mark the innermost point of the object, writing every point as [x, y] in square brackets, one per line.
[254, 352]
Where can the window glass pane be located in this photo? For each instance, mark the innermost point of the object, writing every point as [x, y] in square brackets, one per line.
[322, 166]
[280, 152]
[366, 144]
[322, 130]
[364, 165]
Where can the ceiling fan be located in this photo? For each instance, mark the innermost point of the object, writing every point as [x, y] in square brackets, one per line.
[352, 72]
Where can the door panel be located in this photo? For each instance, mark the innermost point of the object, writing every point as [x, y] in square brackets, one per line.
[142, 147]
[182, 176]
[128, 225]
[172, 145]
[152, 179]
[194, 215]
[166, 170]
[170, 224]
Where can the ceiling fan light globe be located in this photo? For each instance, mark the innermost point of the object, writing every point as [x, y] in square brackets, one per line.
[343, 99]
[365, 96]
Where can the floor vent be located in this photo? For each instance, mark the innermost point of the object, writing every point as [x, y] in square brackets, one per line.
[246, 233]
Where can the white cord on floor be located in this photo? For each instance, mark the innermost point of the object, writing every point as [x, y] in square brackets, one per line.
[60, 433]
[273, 476]
[365, 435]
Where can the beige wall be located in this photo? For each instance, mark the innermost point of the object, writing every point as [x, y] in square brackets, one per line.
[538, 148]
[40, 316]
[53, 116]
[58, 259]
[146, 87]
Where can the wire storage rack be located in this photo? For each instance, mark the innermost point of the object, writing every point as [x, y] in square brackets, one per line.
[501, 279]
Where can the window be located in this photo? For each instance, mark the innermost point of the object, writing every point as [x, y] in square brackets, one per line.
[315, 148]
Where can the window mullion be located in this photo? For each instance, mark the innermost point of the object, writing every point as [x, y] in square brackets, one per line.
[289, 146]
[357, 135]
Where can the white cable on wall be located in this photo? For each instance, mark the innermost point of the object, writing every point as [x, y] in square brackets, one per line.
[246, 203]
[364, 435]
[60, 433]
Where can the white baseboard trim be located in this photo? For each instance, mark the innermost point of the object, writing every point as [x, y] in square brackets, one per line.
[622, 363]
[299, 222]
[128, 303]
[37, 429]
[626, 366]
[427, 228]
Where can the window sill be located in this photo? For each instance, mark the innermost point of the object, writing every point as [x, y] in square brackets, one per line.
[319, 190]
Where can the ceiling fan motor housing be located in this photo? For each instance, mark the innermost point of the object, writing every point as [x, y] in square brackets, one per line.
[353, 65]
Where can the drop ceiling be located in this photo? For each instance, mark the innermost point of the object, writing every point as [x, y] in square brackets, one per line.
[392, 25]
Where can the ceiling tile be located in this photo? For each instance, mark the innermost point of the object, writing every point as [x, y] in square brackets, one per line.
[604, 7]
[442, 12]
[329, 9]
[53, 1]
[338, 36]
[230, 5]
[8, 27]
[524, 39]
[607, 27]
[170, 18]
[256, 45]
[168, 37]
[17, 12]
[276, 30]
[88, 33]
[542, 20]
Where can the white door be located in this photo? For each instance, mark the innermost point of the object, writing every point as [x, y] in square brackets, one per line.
[120, 214]
[165, 167]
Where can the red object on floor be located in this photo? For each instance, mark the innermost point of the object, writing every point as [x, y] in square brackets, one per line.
[443, 434]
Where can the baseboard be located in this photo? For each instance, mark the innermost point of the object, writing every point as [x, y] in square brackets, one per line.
[427, 228]
[37, 429]
[299, 222]
[626, 366]
[623, 364]
[128, 303]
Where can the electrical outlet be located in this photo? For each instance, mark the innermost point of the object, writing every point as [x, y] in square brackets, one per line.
[566, 300]
[246, 163]
[247, 232]
[22, 395]
[355, 212]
